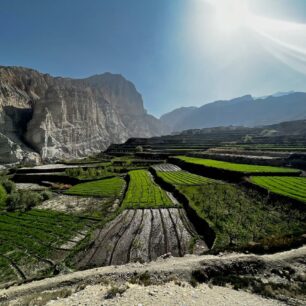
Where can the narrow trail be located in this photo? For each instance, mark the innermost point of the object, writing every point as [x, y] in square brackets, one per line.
[161, 269]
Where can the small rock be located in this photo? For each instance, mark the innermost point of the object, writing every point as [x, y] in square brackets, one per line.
[165, 256]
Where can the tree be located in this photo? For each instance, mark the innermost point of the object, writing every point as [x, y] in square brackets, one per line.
[139, 149]
[247, 139]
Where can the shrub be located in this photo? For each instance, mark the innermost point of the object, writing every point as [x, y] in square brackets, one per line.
[3, 196]
[9, 186]
[12, 202]
[139, 149]
[22, 200]
[46, 195]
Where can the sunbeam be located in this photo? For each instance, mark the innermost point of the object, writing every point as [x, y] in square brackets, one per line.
[285, 40]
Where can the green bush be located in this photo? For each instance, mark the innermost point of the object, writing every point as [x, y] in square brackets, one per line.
[46, 195]
[12, 202]
[22, 200]
[8, 185]
[3, 196]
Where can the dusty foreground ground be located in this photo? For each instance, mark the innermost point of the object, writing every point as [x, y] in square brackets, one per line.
[168, 294]
[190, 280]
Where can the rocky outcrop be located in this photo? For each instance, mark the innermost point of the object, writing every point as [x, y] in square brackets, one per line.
[67, 118]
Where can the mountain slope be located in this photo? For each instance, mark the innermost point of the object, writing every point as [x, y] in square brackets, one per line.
[243, 111]
[67, 118]
[173, 118]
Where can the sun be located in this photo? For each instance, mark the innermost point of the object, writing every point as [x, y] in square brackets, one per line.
[230, 15]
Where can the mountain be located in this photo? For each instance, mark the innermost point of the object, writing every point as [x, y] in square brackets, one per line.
[53, 117]
[174, 118]
[242, 111]
[278, 94]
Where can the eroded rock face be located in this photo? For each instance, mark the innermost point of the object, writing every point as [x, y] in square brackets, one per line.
[66, 118]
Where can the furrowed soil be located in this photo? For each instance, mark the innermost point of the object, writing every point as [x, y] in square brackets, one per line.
[141, 235]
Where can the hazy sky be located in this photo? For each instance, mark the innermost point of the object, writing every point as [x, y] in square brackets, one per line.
[176, 52]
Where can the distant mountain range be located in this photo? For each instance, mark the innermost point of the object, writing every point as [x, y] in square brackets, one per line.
[243, 111]
[50, 118]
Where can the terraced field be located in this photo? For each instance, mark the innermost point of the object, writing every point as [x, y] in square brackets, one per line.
[107, 188]
[166, 168]
[142, 235]
[183, 178]
[244, 168]
[144, 193]
[236, 216]
[33, 243]
[292, 187]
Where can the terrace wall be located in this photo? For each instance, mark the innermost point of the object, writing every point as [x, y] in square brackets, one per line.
[202, 227]
[38, 179]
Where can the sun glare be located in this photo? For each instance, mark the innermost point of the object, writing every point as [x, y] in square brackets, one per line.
[285, 40]
[230, 15]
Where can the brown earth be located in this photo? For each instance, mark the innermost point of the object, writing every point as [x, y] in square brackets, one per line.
[141, 235]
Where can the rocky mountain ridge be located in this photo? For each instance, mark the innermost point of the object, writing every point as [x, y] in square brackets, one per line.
[243, 111]
[54, 118]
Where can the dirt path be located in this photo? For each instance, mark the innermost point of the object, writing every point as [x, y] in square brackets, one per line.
[170, 294]
[164, 270]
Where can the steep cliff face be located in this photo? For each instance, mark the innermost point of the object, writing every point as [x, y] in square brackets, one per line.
[67, 118]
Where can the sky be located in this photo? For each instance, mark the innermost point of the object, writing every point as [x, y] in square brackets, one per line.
[176, 52]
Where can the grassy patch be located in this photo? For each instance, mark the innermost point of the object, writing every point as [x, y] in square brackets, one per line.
[107, 188]
[293, 187]
[245, 168]
[144, 193]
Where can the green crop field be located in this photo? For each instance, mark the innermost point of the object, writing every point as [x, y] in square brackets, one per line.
[107, 188]
[293, 187]
[144, 193]
[183, 178]
[31, 242]
[239, 217]
[245, 168]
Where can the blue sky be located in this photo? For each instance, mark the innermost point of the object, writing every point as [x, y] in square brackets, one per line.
[172, 50]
